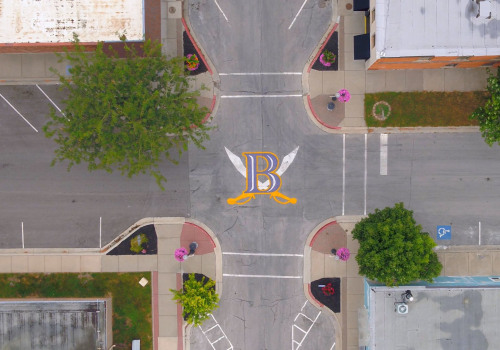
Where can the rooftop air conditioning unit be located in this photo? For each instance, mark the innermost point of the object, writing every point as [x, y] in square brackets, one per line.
[401, 308]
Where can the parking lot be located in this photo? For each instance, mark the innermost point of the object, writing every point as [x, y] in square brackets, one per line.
[47, 206]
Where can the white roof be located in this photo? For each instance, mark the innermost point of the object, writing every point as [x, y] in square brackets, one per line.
[436, 28]
[51, 21]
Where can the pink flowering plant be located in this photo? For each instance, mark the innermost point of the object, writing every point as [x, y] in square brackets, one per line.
[327, 58]
[343, 253]
[180, 253]
[344, 95]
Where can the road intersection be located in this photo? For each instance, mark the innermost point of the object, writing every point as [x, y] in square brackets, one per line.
[258, 51]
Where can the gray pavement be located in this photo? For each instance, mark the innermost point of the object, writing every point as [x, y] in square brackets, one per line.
[58, 208]
[324, 182]
[259, 312]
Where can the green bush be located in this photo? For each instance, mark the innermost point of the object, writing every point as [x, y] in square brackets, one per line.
[488, 115]
[198, 299]
[393, 249]
[134, 244]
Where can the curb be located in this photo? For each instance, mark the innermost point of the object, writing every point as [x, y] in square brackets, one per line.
[305, 76]
[337, 325]
[204, 56]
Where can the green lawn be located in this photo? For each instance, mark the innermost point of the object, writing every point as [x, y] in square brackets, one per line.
[131, 302]
[425, 108]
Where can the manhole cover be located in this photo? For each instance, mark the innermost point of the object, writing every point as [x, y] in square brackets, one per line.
[381, 110]
[348, 6]
[171, 9]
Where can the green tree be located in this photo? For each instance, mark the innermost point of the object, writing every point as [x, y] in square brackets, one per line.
[488, 115]
[198, 299]
[126, 114]
[393, 249]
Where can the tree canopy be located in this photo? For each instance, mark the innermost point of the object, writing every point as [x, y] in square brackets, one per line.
[127, 114]
[488, 115]
[198, 299]
[393, 249]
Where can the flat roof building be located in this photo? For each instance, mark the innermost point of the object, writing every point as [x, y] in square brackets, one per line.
[54, 21]
[407, 34]
[455, 313]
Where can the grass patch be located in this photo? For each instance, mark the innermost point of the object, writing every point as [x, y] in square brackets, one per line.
[425, 108]
[131, 302]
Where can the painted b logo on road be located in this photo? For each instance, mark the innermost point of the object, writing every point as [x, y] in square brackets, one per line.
[262, 173]
[267, 174]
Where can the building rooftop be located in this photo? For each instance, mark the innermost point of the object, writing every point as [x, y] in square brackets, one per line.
[436, 28]
[437, 318]
[54, 21]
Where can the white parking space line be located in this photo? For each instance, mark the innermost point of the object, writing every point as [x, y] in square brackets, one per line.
[53, 103]
[479, 232]
[297, 15]
[216, 327]
[22, 233]
[216, 3]
[14, 108]
[366, 156]
[343, 173]
[100, 232]
[295, 343]
[263, 73]
[262, 254]
[383, 154]
[256, 96]
[259, 276]
[333, 346]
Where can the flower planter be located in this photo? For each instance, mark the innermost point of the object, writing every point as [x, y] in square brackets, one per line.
[148, 248]
[192, 67]
[323, 62]
[331, 45]
[189, 49]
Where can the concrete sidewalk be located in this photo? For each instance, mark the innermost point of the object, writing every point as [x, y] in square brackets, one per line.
[353, 76]
[168, 328]
[333, 233]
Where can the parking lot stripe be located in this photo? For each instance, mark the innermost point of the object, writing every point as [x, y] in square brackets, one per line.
[216, 3]
[22, 233]
[14, 108]
[479, 232]
[258, 276]
[262, 254]
[100, 232]
[383, 154]
[57, 107]
[297, 15]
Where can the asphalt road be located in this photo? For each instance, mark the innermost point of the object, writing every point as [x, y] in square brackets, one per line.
[60, 209]
[445, 178]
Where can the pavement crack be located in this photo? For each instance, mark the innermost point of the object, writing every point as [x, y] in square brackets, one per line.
[231, 227]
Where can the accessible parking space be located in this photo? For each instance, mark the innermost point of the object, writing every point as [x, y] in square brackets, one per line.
[448, 180]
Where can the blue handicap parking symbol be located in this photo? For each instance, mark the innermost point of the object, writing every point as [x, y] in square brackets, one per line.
[444, 232]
